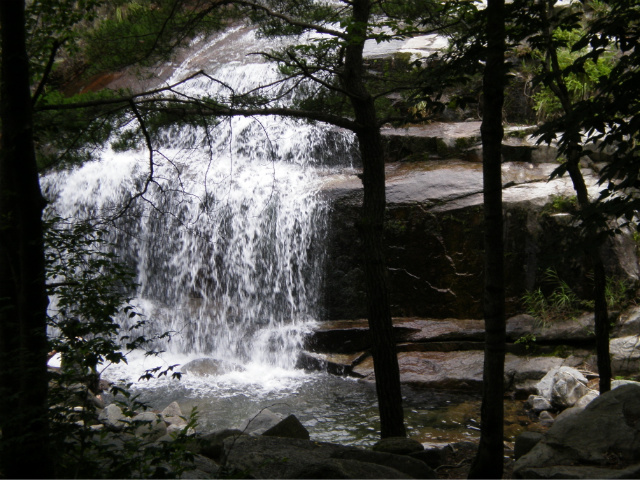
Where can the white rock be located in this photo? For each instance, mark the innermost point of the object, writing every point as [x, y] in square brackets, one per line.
[587, 399]
[568, 388]
[546, 418]
[112, 415]
[538, 403]
[173, 414]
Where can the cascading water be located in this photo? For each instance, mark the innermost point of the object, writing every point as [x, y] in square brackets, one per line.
[227, 242]
[227, 239]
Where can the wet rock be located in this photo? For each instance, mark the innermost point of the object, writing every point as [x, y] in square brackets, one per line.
[538, 403]
[273, 457]
[605, 433]
[525, 443]
[290, 427]
[336, 363]
[452, 370]
[435, 207]
[398, 445]
[212, 444]
[546, 419]
[209, 366]
[261, 422]
[460, 370]
[203, 467]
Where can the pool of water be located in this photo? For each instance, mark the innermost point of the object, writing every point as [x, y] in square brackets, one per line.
[333, 409]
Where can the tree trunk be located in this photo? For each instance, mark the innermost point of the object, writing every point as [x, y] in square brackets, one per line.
[385, 359]
[592, 248]
[594, 258]
[488, 462]
[23, 299]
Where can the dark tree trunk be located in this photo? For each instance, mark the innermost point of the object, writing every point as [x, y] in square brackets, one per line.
[590, 237]
[594, 257]
[23, 299]
[371, 230]
[488, 462]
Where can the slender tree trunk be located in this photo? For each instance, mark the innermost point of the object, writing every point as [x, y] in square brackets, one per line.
[594, 258]
[592, 246]
[23, 299]
[488, 462]
[385, 358]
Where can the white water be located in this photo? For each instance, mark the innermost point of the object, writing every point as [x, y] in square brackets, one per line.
[228, 239]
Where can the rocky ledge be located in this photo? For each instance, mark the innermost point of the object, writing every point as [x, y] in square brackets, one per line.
[448, 353]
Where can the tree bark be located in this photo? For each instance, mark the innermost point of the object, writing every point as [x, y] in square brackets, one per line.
[371, 224]
[23, 299]
[488, 462]
[592, 247]
[594, 258]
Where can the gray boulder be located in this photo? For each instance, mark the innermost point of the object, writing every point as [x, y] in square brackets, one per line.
[273, 457]
[113, 417]
[150, 425]
[398, 445]
[290, 427]
[525, 443]
[209, 367]
[584, 443]
[625, 355]
[172, 414]
[260, 423]
[563, 386]
[538, 403]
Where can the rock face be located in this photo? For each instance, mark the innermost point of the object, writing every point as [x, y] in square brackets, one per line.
[433, 237]
[601, 441]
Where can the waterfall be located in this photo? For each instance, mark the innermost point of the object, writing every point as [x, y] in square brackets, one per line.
[227, 241]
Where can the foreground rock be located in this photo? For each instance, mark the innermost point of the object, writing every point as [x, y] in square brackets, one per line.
[273, 457]
[601, 441]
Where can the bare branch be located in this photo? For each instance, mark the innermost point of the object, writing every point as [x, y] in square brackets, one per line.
[47, 70]
[292, 21]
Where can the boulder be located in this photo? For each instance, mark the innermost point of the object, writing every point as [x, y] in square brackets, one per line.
[625, 355]
[605, 433]
[525, 443]
[273, 457]
[563, 386]
[212, 444]
[398, 445]
[538, 403]
[150, 425]
[203, 467]
[172, 414]
[546, 419]
[209, 366]
[260, 423]
[113, 417]
[290, 427]
[628, 323]
[569, 387]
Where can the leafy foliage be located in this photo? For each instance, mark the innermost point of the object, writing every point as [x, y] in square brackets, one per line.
[89, 288]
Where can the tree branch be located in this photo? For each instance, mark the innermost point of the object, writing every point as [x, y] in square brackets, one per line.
[47, 71]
